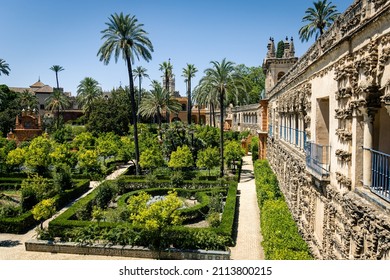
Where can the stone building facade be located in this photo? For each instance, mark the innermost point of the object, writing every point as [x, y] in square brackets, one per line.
[329, 135]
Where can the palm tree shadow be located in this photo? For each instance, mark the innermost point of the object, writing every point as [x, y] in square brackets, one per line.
[9, 243]
[246, 176]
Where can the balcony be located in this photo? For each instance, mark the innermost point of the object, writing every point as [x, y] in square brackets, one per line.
[317, 159]
[380, 174]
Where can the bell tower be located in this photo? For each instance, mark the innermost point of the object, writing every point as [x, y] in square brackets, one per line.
[276, 67]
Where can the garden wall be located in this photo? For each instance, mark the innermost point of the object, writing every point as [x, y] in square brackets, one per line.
[123, 251]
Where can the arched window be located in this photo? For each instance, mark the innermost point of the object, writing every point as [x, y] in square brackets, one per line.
[280, 75]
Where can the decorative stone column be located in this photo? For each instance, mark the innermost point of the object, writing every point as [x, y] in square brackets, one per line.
[368, 119]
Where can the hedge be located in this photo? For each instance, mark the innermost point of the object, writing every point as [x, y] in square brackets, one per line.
[180, 236]
[281, 238]
[24, 222]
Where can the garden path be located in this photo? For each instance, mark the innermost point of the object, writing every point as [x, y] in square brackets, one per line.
[248, 242]
[12, 245]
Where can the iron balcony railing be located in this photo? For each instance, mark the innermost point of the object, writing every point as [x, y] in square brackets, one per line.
[317, 158]
[380, 174]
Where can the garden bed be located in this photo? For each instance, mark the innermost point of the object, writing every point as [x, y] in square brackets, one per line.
[180, 237]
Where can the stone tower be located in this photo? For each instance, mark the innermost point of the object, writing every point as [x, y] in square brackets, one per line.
[274, 67]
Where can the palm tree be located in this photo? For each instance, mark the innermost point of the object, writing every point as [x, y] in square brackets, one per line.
[319, 19]
[220, 79]
[4, 67]
[166, 68]
[204, 96]
[87, 91]
[139, 72]
[28, 100]
[56, 69]
[156, 101]
[189, 73]
[125, 36]
[57, 101]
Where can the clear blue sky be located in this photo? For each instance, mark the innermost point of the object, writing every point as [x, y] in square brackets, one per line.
[38, 34]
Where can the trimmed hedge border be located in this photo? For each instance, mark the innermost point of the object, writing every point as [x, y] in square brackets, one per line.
[281, 238]
[181, 236]
[26, 221]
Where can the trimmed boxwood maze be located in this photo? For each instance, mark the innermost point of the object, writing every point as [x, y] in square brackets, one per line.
[24, 222]
[281, 239]
[181, 237]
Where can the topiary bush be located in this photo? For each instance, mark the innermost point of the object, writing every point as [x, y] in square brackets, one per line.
[281, 239]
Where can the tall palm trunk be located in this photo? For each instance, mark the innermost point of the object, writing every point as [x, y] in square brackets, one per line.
[213, 113]
[199, 114]
[189, 105]
[58, 85]
[133, 111]
[221, 97]
[139, 96]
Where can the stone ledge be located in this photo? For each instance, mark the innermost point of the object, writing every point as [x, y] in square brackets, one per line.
[123, 251]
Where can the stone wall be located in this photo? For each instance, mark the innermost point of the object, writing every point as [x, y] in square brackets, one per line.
[123, 251]
[337, 93]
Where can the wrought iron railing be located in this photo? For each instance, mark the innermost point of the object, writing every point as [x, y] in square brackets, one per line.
[317, 158]
[380, 174]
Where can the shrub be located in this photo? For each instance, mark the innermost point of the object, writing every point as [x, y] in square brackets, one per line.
[214, 219]
[177, 179]
[281, 239]
[104, 194]
[62, 177]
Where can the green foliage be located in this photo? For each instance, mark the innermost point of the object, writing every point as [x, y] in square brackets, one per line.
[88, 161]
[208, 158]
[104, 194]
[126, 150]
[151, 159]
[44, 210]
[8, 210]
[9, 108]
[38, 154]
[280, 49]
[180, 237]
[62, 155]
[111, 115]
[155, 217]
[62, 134]
[98, 213]
[233, 153]
[214, 219]
[107, 145]
[178, 134]
[84, 140]
[16, 158]
[254, 80]
[35, 189]
[266, 182]
[5, 147]
[254, 147]
[177, 179]
[208, 135]
[281, 239]
[62, 177]
[181, 158]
